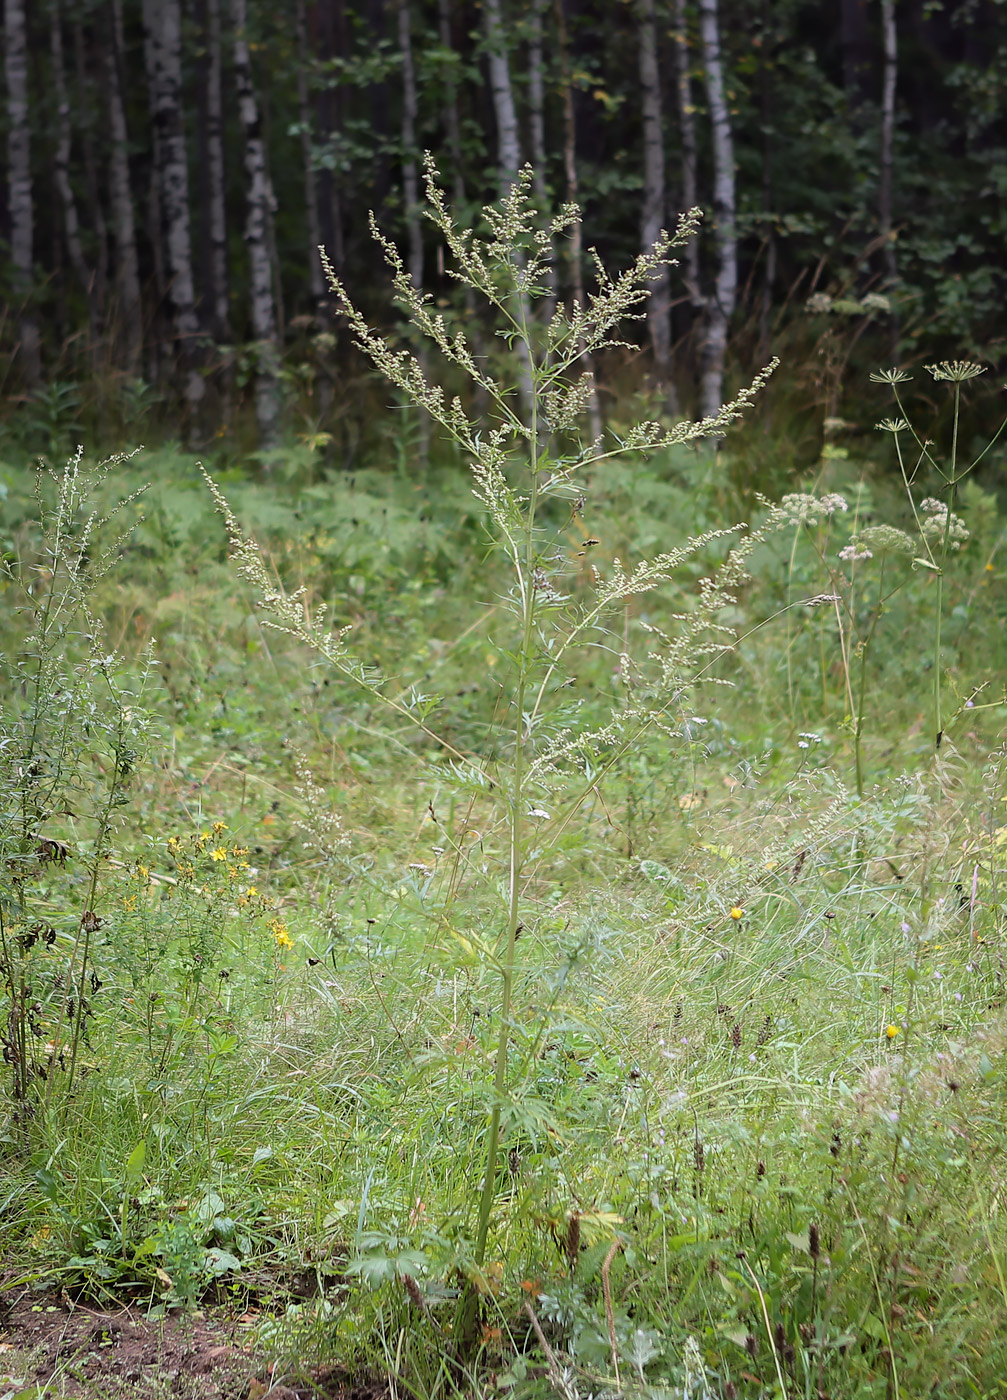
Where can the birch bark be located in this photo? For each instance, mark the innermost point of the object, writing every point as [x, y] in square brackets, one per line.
[720, 307]
[212, 186]
[162, 22]
[654, 210]
[127, 268]
[19, 192]
[508, 139]
[259, 204]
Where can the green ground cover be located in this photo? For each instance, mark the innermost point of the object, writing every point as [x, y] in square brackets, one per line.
[677, 1070]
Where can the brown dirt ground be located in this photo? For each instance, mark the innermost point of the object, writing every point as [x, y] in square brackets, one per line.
[72, 1351]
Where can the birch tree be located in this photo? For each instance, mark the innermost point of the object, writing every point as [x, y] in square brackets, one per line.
[720, 306]
[162, 23]
[212, 187]
[654, 209]
[258, 217]
[19, 190]
[127, 268]
[508, 139]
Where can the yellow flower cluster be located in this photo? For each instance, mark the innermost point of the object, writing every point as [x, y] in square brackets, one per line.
[281, 933]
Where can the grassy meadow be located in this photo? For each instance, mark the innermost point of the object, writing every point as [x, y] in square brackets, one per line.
[568, 980]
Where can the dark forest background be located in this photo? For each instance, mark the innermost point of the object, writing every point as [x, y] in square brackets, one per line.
[171, 165]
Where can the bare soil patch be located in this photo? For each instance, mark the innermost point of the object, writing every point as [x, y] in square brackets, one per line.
[80, 1352]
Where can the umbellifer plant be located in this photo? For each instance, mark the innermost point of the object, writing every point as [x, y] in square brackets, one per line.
[548, 755]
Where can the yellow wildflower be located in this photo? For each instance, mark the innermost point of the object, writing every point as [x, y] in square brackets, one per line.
[142, 873]
[280, 933]
[129, 902]
[737, 912]
[218, 853]
[891, 1031]
[218, 827]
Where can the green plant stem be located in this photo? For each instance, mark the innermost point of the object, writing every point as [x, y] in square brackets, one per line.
[526, 584]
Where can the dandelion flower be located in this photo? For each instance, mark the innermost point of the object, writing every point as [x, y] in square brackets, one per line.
[891, 1030]
[737, 912]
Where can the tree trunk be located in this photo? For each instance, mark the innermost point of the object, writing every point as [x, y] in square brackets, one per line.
[687, 132]
[19, 187]
[572, 192]
[316, 282]
[61, 169]
[259, 205]
[212, 185]
[720, 307]
[162, 23]
[654, 211]
[127, 268]
[508, 141]
[410, 176]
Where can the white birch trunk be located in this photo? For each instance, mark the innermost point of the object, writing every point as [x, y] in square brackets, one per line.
[687, 134]
[61, 168]
[654, 211]
[121, 199]
[316, 281]
[410, 174]
[508, 140]
[720, 306]
[162, 22]
[259, 207]
[19, 201]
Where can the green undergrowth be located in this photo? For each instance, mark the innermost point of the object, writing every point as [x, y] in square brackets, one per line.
[745, 1136]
